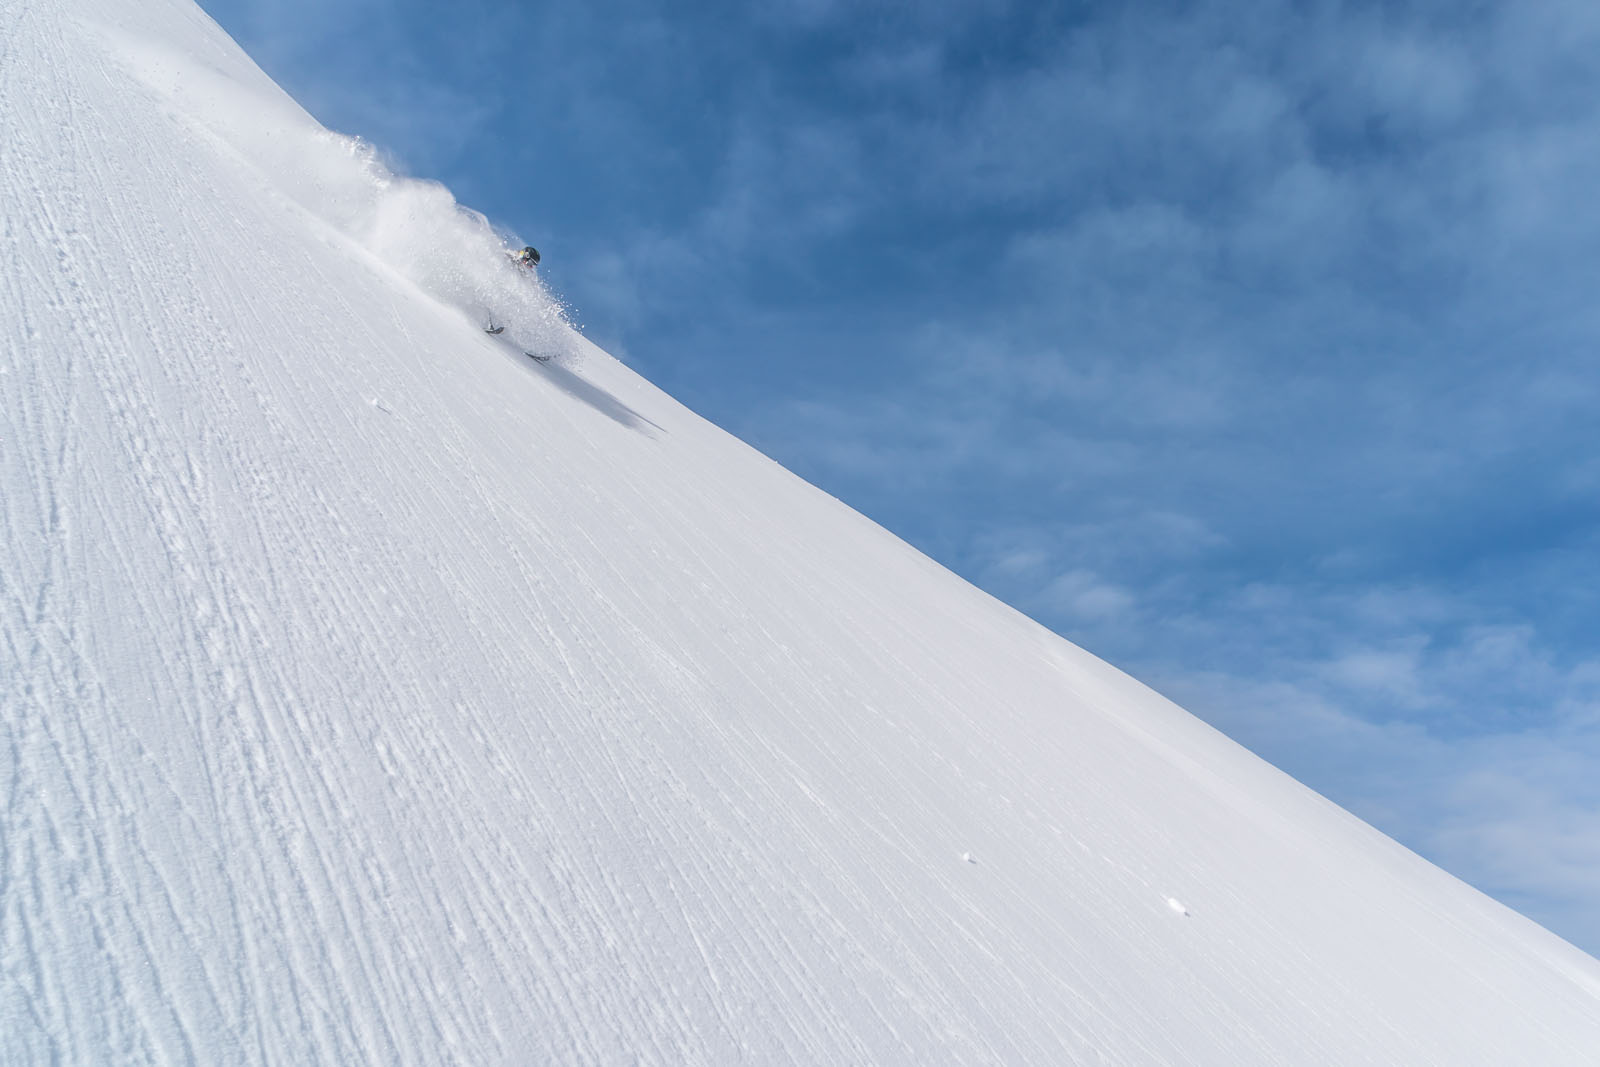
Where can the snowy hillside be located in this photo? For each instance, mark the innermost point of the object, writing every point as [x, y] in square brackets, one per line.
[374, 694]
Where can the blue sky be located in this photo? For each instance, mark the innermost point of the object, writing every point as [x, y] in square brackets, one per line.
[1252, 348]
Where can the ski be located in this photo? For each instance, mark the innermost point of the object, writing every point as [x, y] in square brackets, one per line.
[498, 330]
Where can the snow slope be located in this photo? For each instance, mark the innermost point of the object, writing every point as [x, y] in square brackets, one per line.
[372, 694]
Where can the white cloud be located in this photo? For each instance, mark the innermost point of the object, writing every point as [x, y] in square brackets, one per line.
[1083, 595]
[1391, 674]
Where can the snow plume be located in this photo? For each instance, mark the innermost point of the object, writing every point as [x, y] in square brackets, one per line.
[451, 251]
[415, 227]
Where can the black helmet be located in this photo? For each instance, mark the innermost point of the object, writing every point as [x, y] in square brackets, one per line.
[531, 254]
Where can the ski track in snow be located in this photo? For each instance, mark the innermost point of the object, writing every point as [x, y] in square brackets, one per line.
[372, 695]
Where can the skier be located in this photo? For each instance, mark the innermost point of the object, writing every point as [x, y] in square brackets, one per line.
[527, 259]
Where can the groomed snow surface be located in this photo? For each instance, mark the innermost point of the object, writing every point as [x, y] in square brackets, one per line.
[374, 694]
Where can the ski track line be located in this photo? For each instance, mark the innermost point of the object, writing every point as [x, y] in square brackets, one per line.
[140, 427]
[43, 677]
